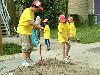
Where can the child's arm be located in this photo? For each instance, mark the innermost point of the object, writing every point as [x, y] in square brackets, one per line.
[62, 35]
[68, 37]
[60, 30]
[68, 34]
[44, 30]
[34, 25]
[68, 31]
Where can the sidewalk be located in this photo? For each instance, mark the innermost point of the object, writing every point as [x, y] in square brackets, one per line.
[85, 53]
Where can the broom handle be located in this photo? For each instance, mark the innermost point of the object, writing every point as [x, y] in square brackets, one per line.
[40, 50]
[40, 47]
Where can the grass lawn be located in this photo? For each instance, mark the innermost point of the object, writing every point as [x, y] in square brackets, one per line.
[11, 48]
[86, 34]
[89, 34]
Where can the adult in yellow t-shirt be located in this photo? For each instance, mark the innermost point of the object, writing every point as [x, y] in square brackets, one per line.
[47, 34]
[24, 29]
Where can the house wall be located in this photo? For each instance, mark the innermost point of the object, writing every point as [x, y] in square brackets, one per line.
[73, 7]
[83, 8]
[79, 7]
[91, 6]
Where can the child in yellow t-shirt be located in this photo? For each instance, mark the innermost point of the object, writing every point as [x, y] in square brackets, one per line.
[64, 37]
[47, 34]
[72, 28]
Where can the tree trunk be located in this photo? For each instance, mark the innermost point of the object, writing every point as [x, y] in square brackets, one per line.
[66, 8]
[1, 50]
[12, 12]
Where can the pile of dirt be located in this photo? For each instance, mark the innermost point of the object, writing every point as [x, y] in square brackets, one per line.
[56, 67]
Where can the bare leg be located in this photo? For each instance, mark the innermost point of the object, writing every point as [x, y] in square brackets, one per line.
[63, 49]
[25, 59]
[28, 56]
[24, 56]
[77, 39]
[67, 48]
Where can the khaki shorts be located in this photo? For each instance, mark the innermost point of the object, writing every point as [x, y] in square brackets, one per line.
[26, 43]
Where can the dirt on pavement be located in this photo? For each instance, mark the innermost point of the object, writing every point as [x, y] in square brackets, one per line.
[56, 67]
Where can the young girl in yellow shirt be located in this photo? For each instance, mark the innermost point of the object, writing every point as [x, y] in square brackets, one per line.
[72, 29]
[47, 34]
[64, 37]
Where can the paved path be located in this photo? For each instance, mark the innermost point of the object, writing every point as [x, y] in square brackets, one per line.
[85, 53]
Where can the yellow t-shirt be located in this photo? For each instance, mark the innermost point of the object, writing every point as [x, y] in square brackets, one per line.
[72, 30]
[63, 30]
[23, 26]
[46, 32]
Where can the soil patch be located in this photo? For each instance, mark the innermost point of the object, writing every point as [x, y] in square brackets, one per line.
[56, 67]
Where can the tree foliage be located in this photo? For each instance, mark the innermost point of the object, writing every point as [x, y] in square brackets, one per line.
[52, 9]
